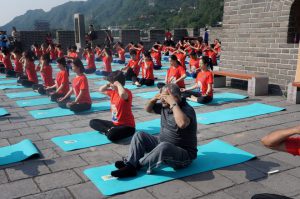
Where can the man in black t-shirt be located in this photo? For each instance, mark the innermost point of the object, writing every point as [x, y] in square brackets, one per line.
[176, 145]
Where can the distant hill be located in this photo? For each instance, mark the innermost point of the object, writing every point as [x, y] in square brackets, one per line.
[127, 13]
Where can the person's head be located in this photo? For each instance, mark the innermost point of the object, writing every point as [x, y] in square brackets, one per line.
[5, 51]
[58, 46]
[98, 46]
[157, 42]
[170, 89]
[174, 61]
[141, 44]
[193, 55]
[200, 39]
[182, 48]
[17, 52]
[77, 66]
[108, 52]
[45, 59]
[212, 46]
[204, 63]
[44, 46]
[36, 45]
[132, 54]
[147, 56]
[74, 48]
[51, 46]
[155, 47]
[61, 63]
[117, 76]
[88, 48]
[91, 27]
[206, 43]
[29, 55]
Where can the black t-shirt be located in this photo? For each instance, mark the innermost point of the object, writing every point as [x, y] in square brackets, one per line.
[185, 138]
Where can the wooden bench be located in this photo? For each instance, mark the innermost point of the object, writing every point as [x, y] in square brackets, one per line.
[257, 84]
[293, 94]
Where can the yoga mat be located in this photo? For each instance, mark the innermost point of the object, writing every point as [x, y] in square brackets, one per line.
[22, 94]
[151, 127]
[59, 112]
[4, 87]
[9, 81]
[133, 87]
[97, 95]
[18, 152]
[147, 95]
[93, 76]
[214, 155]
[101, 83]
[160, 74]
[3, 112]
[80, 140]
[236, 113]
[34, 102]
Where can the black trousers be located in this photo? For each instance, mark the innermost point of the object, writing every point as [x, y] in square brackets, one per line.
[55, 96]
[130, 75]
[77, 108]
[39, 88]
[269, 196]
[113, 132]
[23, 80]
[9, 73]
[200, 99]
[89, 70]
[147, 82]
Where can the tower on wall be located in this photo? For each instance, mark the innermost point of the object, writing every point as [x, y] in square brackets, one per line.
[79, 27]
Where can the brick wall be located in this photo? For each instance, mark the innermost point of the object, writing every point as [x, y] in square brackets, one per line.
[28, 38]
[127, 36]
[66, 39]
[254, 40]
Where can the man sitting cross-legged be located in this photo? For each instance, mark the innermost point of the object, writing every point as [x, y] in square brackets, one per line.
[176, 145]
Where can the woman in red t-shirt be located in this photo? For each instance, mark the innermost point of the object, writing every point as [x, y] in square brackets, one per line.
[194, 65]
[46, 73]
[59, 51]
[204, 82]
[147, 67]
[80, 87]
[7, 67]
[16, 56]
[107, 60]
[122, 124]
[61, 86]
[121, 53]
[90, 59]
[31, 77]
[132, 69]
[156, 57]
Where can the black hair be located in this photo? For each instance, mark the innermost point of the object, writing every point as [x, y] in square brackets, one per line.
[206, 43]
[117, 76]
[46, 58]
[158, 42]
[78, 63]
[108, 51]
[193, 54]
[74, 47]
[29, 55]
[36, 45]
[174, 58]
[62, 61]
[148, 55]
[212, 45]
[5, 51]
[132, 52]
[58, 45]
[17, 51]
[206, 60]
[155, 47]
[141, 43]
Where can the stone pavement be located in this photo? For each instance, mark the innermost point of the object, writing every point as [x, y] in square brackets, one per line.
[59, 174]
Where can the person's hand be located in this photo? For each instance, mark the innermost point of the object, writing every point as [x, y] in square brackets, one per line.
[182, 89]
[71, 103]
[169, 98]
[116, 83]
[156, 97]
[61, 99]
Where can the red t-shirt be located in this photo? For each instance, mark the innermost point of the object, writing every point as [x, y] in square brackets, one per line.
[134, 64]
[1, 58]
[62, 77]
[31, 73]
[176, 73]
[138, 53]
[37, 52]
[203, 79]
[18, 66]
[98, 52]
[7, 63]
[147, 73]
[73, 55]
[218, 48]
[121, 53]
[53, 55]
[107, 63]
[168, 35]
[181, 57]
[121, 109]
[156, 56]
[195, 63]
[60, 54]
[211, 54]
[47, 76]
[81, 83]
[90, 59]
[292, 145]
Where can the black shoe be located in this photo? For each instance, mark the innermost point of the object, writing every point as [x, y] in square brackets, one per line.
[125, 172]
[120, 164]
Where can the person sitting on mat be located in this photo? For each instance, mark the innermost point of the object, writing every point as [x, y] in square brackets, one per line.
[90, 59]
[59, 51]
[156, 57]
[16, 56]
[175, 74]
[194, 65]
[61, 86]
[46, 73]
[80, 87]
[107, 60]
[122, 124]
[121, 53]
[28, 64]
[7, 67]
[204, 82]
[132, 69]
[285, 140]
[176, 145]
[181, 56]
[147, 70]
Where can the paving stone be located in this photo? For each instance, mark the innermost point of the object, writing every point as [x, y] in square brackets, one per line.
[32, 137]
[47, 154]
[40, 122]
[44, 144]
[204, 182]
[3, 177]
[135, 195]
[175, 189]
[53, 194]
[52, 134]
[4, 142]
[295, 172]
[59, 126]
[287, 158]
[57, 180]
[86, 191]
[19, 125]
[9, 134]
[100, 156]
[27, 170]
[80, 170]
[218, 195]
[66, 162]
[18, 189]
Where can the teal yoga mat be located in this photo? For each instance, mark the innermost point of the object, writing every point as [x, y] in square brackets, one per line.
[236, 113]
[60, 112]
[93, 76]
[151, 127]
[160, 73]
[3, 112]
[34, 102]
[133, 87]
[147, 95]
[22, 94]
[9, 81]
[4, 87]
[214, 155]
[18, 152]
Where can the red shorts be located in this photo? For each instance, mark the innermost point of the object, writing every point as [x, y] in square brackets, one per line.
[292, 145]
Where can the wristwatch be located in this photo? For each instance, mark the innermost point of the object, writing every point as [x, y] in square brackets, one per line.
[173, 105]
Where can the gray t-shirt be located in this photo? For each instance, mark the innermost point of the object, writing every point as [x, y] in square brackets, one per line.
[185, 138]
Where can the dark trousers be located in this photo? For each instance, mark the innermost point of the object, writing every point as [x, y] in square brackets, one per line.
[55, 96]
[200, 99]
[130, 75]
[25, 82]
[157, 67]
[102, 73]
[75, 107]
[39, 88]
[113, 132]
[9, 73]
[147, 82]
[89, 70]
[269, 196]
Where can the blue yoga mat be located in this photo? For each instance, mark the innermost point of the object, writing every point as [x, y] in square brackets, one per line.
[80, 140]
[93, 76]
[3, 112]
[18, 152]
[214, 155]
[60, 112]
[133, 87]
[101, 83]
[151, 127]
[236, 113]
[160, 73]
[34, 102]
[147, 95]
[4, 87]
[97, 95]
[9, 81]
[22, 94]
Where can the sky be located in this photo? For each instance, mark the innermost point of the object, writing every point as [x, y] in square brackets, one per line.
[13, 8]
